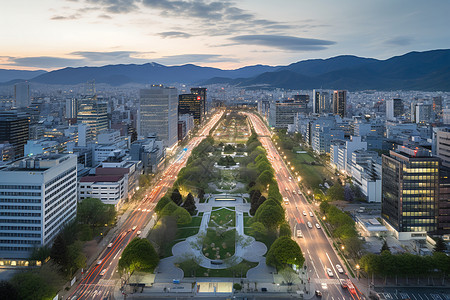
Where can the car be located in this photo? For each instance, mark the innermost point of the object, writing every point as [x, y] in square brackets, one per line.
[290, 178]
[99, 261]
[103, 272]
[110, 245]
[343, 283]
[339, 269]
[309, 224]
[329, 272]
[304, 213]
[298, 192]
[318, 293]
[317, 226]
[138, 233]
[293, 192]
[311, 214]
[286, 189]
[324, 286]
[134, 228]
[299, 233]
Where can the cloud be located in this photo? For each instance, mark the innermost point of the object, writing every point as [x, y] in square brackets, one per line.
[116, 6]
[62, 18]
[48, 62]
[192, 58]
[103, 16]
[289, 43]
[174, 34]
[399, 41]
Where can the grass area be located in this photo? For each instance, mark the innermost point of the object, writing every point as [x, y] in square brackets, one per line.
[223, 217]
[219, 245]
[239, 270]
[196, 221]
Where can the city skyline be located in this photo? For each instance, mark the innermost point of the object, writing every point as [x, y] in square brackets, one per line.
[217, 34]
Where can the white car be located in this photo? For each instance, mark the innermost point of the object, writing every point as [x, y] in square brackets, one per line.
[103, 272]
[309, 225]
[110, 245]
[317, 226]
[339, 269]
[99, 261]
[329, 272]
[311, 214]
[299, 233]
[293, 192]
[304, 213]
[324, 286]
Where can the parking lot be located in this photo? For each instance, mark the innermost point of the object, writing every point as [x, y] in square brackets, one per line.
[414, 294]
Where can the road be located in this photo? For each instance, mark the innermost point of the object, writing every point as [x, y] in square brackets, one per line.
[99, 281]
[318, 252]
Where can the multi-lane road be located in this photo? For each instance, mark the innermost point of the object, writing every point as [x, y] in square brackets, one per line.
[100, 280]
[318, 252]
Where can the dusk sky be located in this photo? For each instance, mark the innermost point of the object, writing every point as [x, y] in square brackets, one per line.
[52, 34]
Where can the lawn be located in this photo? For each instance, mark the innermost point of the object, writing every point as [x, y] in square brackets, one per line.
[222, 217]
[219, 245]
[193, 270]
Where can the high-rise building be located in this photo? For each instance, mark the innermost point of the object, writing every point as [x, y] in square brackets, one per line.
[324, 103]
[394, 109]
[410, 192]
[159, 113]
[93, 113]
[282, 114]
[437, 106]
[38, 197]
[316, 97]
[423, 113]
[443, 146]
[22, 94]
[14, 128]
[71, 108]
[193, 105]
[303, 100]
[200, 92]
[339, 103]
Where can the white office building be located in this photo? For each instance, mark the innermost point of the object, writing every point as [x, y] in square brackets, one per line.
[38, 195]
[158, 113]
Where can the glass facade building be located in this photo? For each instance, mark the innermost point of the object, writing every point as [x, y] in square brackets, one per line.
[410, 191]
[93, 113]
[193, 105]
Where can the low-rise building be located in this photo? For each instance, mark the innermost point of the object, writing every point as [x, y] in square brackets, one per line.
[110, 189]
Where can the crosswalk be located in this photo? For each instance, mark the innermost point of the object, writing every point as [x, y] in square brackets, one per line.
[413, 296]
[327, 281]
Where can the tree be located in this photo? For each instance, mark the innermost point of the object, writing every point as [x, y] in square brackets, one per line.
[283, 252]
[176, 197]
[324, 206]
[288, 274]
[143, 181]
[168, 209]
[164, 231]
[31, 286]
[385, 247]
[94, 212]
[40, 254]
[265, 178]
[161, 204]
[182, 216]
[8, 291]
[255, 204]
[139, 255]
[285, 229]
[258, 230]
[440, 245]
[336, 192]
[189, 204]
[353, 246]
[59, 252]
[201, 195]
[348, 194]
[270, 213]
[237, 287]
[274, 192]
[76, 258]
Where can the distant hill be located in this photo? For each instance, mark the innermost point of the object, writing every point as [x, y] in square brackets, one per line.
[146, 73]
[429, 70]
[10, 75]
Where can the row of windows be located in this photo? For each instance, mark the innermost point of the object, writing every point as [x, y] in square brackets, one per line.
[21, 207]
[57, 213]
[69, 182]
[16, 214]
[49, 212]
[15, 249]
[32, 242]
[53, 230]
[57, 199]
[20, 194]
[58, 178]
[13, 234]
[28, 228]
[20, 187]
[20, 221]
[20, 200]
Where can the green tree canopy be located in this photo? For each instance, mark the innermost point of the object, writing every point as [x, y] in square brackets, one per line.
[440, 245]
[94, 212]
[283, 252]
[270, 213]
[336, 192]
[168, 209]
[162, 203]
[182, 216]
[176, 197]
[31, 286]
[139, 255]
[285, 229]
[189, 204]
[258, 230]
[274, 192]
[265, 178]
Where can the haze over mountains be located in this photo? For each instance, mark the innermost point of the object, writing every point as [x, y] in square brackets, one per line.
[428, 70]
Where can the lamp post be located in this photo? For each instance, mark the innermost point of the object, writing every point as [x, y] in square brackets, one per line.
[357, 270]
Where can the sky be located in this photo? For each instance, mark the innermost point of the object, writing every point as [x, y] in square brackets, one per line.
[53, 34]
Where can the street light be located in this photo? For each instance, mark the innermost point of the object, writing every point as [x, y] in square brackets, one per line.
[357, 270]
[342, 247]
[324, 218]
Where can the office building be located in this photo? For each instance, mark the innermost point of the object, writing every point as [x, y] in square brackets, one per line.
[14, 128]
[110, 189]
[38, 196]
[423, 113]
[437, 106]
[193, 105]
[93, 113]
[316, 97]
[339, 103]
[158, 113]
[71, 108]
[394, 109]
[282, 114]
[150, 151]
[201, 92]
[410, 192]
[22, 94]
[443, 146]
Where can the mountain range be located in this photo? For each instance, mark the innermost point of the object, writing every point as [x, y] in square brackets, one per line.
[429, 70]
